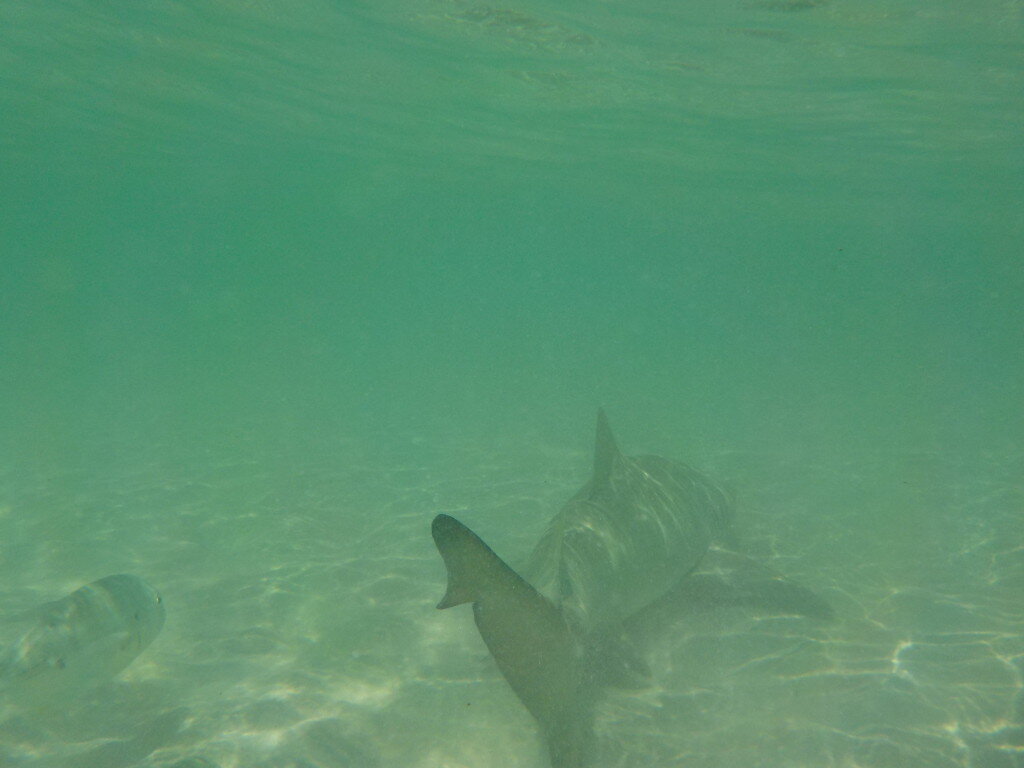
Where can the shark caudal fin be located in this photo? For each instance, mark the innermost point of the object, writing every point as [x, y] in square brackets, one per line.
[528, 638]
[461, 550]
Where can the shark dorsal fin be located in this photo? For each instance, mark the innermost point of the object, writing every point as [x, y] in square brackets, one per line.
[606, 452]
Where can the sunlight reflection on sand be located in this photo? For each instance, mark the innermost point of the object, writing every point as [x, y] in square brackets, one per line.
[302, 633]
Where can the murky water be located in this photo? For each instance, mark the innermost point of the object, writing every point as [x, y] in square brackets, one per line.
[279, 284]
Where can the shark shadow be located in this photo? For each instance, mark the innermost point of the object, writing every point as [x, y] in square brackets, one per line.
[643, 544]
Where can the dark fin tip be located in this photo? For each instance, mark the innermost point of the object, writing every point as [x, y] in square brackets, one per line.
[447, 532]
[443, 525]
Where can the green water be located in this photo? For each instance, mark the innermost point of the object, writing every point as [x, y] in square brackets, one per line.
[280, 282]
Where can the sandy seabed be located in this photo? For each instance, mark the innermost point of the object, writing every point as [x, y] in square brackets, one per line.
[301, 630]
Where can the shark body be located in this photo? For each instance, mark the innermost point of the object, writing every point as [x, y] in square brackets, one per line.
[634, 550]
[81, 640]
[629, 535]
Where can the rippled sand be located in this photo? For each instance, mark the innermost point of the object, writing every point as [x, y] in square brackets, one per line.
[301, 630]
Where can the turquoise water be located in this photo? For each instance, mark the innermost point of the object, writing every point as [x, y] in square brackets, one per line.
[280, 282]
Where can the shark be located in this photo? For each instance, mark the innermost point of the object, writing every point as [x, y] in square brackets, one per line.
[527, 635]
[81, 640]
[633, 531]
[646, 541]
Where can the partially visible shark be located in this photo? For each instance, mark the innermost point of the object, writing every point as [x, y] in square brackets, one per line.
[639, 546]
[630, 534]
[81, 640]
[528, 636]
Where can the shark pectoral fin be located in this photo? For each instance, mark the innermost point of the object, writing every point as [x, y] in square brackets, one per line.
[729, 578]
[772, 596]
[779, 597]
[734, 581]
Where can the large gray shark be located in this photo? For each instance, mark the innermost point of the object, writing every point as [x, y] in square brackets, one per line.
[629, 553]
[629, 535]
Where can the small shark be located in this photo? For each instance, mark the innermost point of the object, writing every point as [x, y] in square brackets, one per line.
[81, 640]
[636, 549]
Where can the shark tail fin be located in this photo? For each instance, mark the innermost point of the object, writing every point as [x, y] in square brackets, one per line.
[455, 541]
[606, 452]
